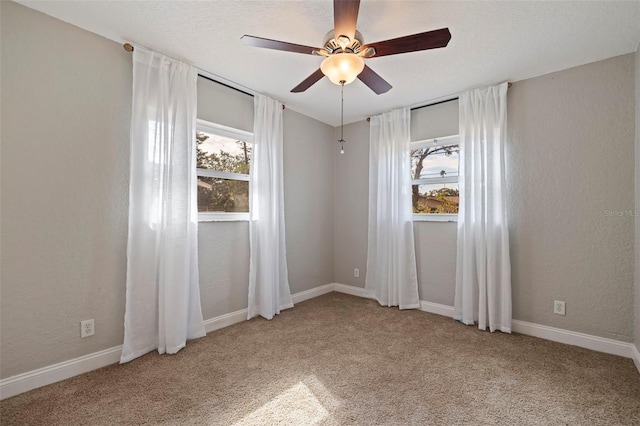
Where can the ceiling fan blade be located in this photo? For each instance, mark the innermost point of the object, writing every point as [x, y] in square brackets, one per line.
[374, 81]
[412, 43]
[345, 18]
[267, 43]
[308, 82]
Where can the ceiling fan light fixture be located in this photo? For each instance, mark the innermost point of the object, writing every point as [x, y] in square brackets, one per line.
[342, 67]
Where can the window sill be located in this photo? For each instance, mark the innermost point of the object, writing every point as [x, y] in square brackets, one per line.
[435, 217]
[223, 217]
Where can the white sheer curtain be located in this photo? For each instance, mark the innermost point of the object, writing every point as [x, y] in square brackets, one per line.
[391, 260]
[163, 295]
[268, 279]
[483, 275]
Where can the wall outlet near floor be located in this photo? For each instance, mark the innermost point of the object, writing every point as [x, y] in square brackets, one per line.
[558, 307]
[87, 328]
[356, 272]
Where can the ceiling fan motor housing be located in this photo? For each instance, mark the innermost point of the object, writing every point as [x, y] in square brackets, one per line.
[331, 44]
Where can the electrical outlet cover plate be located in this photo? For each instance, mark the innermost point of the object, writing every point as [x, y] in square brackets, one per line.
[558, 307]
[356, 272]
[87, 328]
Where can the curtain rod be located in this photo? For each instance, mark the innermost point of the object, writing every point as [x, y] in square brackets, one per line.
[129, 48]
[225, 85]
[437, 103]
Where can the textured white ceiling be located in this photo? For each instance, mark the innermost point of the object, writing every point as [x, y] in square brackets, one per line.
[491, 42]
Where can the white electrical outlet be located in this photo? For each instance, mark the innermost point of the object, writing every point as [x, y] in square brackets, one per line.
[356, 272]
[87, 328]
[558, 307]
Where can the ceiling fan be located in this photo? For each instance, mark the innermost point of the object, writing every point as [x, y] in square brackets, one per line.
[344, 49]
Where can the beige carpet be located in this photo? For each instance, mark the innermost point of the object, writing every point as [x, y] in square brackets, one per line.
[339, 359]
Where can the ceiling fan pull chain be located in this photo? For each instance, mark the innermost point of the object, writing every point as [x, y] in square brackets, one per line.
[341, 141]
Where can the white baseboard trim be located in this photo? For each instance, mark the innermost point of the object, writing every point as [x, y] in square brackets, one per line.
[225, 320]
[236, 317]
[587, 341]
[352, 290]
[24, 382]
[436, 308]
[314, 292]
[636, 356]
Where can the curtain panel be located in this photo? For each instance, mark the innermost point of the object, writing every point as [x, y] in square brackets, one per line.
[268, 278]
[163, 294]
[483, 269]
[391, 261]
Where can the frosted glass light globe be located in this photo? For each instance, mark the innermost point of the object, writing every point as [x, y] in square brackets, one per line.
[342, 67]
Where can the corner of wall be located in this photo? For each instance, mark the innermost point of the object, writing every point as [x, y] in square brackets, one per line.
[336, 133]
[309, 175]
[351, 204]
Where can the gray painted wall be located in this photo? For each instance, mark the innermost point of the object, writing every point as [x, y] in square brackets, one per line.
[436, 260]
[569, 161]
[64, 205]
[308, 199]
[223, 105]
[351, 205]
[570, 158]
[637, 195]
[65, 171]
[223, 261]
[435, 121]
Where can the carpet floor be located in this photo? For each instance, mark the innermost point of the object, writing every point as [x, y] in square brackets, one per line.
[339, 359]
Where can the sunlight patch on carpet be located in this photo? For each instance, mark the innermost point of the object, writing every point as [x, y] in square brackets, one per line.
[296, 405]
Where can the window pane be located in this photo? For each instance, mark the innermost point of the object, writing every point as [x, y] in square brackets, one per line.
[434, 162]
[222, 154]
[222, 195]
[436, 199]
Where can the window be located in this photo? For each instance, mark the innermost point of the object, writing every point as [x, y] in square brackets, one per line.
[223, 164]
[434, 178]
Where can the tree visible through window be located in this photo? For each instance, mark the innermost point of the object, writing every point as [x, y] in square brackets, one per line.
[223, 165]
[434, 174]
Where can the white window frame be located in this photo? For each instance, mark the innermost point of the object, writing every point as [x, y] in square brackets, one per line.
[229, 132]
[431, 143]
